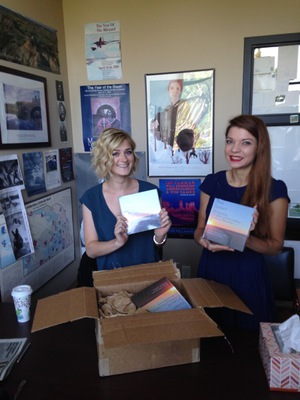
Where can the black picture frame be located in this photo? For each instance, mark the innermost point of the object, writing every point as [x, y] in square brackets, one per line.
[260, 42]
[23, 110]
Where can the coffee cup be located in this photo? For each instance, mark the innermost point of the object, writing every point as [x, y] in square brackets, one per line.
[22, 299]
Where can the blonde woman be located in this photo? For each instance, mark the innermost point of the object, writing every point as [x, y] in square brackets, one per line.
[105, 229]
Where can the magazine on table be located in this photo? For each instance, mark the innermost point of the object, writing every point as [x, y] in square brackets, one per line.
[10, 351]
[229, 224]
[141, 210]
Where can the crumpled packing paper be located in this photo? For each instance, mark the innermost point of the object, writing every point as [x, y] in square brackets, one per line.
[289, 334]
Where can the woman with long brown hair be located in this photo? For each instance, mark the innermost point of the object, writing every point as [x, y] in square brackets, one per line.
[248, 182]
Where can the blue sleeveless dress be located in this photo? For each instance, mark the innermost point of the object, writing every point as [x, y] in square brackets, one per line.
[139, 248]
[245, 272]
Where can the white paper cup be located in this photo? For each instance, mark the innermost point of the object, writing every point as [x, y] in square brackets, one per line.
[22, 300]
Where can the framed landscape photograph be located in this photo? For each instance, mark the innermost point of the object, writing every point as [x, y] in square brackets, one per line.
[180, 109]
[23, 110]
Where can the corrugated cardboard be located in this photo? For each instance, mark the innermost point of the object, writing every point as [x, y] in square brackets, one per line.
[282, 370]
[147, 340]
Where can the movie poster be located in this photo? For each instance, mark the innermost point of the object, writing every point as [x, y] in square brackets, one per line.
[104, 106]
[180, 107]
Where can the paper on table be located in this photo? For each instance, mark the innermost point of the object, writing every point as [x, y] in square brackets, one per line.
[10, 349]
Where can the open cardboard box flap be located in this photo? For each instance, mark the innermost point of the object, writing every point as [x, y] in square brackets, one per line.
[65, 307]
[205, 293]
[143, 273]
[158, 327]
[141, 327]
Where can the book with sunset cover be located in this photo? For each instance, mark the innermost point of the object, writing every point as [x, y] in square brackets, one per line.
[229, 224]
[160, 296]
[141, 210]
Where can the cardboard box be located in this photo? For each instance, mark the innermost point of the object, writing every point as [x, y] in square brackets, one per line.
[282, 370]
[143, 340]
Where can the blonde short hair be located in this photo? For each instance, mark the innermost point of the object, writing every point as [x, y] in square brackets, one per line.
[103, 148]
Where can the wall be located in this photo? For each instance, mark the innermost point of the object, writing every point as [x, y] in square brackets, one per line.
[168, 36]
[49, 13]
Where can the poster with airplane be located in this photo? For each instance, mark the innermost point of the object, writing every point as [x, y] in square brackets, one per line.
[103, 51]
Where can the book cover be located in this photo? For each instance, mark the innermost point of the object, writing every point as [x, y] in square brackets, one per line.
[229, 224]
[141, 210]
[160, 296]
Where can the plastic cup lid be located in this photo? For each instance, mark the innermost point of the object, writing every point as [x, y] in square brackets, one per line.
[21, 290]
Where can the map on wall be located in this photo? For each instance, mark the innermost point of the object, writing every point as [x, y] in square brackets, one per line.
[51, 224]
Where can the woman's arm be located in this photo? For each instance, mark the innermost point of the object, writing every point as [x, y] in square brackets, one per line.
[274, 244]
[96, 248]
[204, 198]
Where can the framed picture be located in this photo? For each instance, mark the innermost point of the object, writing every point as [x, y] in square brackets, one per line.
[23, 110]
[180, 109]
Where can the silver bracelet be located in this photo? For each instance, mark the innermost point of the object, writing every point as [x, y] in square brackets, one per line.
[161, 243]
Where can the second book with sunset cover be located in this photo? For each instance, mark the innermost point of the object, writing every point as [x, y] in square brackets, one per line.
[229, 224]
[160, 296]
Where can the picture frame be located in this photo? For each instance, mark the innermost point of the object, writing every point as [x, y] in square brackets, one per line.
[23, 110]
[180, 123]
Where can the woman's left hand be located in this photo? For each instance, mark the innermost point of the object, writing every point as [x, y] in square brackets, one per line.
[165, 224]
[213, 247]
[254, 219]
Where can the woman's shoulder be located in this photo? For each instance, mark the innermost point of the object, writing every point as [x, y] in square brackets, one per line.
[278, 189]
[211, 179]
[92, 192]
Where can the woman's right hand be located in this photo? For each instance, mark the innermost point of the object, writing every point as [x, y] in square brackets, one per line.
[120, 230]
[213, 247]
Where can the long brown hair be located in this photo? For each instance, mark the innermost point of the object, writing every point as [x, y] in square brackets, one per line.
[259, 181]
